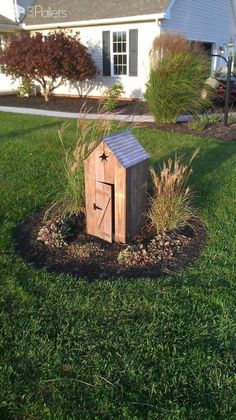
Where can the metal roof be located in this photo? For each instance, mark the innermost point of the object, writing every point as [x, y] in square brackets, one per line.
[82, 10]
[126, 148]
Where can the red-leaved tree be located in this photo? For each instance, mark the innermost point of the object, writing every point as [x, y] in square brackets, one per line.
[49, 60]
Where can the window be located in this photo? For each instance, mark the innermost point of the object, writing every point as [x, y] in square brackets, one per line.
[120, 53]
[119, 49]
[2, 70]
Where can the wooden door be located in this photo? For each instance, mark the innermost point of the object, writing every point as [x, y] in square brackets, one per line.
[103, 211]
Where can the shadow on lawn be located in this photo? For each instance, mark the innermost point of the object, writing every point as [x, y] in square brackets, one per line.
[27, 131]
[202, 180]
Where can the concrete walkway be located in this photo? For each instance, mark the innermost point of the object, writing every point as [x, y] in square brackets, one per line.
[108, 117]
[74, 115]
[59, 114]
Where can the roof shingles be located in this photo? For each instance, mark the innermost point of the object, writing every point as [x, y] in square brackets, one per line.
[6, 21]
[82, 10]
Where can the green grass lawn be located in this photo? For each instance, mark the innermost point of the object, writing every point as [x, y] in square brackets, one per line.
[161, 348]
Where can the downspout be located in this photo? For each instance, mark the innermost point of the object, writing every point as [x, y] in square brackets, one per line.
[159, 25]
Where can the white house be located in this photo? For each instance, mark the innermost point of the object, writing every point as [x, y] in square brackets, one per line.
[11, 12]
[7, 28]
[119, 34]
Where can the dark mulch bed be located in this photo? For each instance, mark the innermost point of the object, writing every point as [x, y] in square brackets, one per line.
[211, 130]
[103, 266]
[69, 104]
[134, 107]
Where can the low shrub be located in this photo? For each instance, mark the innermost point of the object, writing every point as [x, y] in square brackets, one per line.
[200, 123]
[177, 77]
[170, 206]
[112, 94]
[25, 89]
[160, 248]
[56, 232]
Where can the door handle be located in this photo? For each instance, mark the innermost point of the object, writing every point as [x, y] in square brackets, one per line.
[95, 207]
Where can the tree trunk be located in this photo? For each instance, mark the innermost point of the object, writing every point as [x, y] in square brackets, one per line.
[46, 93]
[46, 96]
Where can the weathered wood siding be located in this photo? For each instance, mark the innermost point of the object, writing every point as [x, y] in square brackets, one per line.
[136, 182]
[120, 192]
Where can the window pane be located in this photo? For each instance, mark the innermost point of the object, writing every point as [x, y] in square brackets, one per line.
[119, 52]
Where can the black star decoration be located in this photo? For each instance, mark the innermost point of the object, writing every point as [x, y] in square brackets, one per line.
[103, 157]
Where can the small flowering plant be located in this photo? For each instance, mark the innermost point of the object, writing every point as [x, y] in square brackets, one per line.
[160, 248]
[56, 232]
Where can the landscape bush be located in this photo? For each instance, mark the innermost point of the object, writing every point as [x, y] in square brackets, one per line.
[112, 94]
[25, 89]
[177, 77]
[171, 204]
[160, 248]
[49, 60]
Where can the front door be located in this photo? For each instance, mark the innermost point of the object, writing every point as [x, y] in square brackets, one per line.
[103, 210]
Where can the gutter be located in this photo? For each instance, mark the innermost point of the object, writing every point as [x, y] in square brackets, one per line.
[95, 22]
[9, 27]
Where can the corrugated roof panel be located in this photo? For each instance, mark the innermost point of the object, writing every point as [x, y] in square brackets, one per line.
[126, 148]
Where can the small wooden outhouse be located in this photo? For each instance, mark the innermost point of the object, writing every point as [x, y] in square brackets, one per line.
[116, 187]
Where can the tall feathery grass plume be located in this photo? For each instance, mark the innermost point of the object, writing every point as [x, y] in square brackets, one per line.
[171, 204]
[178, 73]
[70, 200]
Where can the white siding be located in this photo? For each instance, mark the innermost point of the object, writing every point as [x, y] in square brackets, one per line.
[7, 85]
[134, 86]
[202, 20]
[8, 9]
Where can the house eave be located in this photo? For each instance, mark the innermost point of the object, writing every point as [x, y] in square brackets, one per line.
[97, 22]
[8, 28]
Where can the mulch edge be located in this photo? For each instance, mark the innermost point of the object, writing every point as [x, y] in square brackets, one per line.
[43, 258]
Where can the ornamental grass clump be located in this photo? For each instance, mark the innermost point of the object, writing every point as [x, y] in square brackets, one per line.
[171, 205]
[177, 77]
[70, 199]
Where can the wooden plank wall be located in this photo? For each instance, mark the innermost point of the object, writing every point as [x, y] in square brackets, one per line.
[136, 197]
[120, 203]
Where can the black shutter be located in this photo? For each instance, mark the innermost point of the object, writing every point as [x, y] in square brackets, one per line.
[106, 54]
[133, 52]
